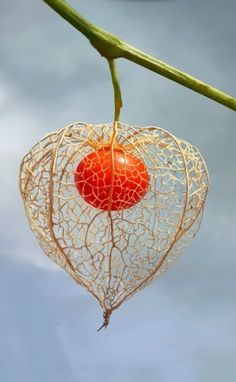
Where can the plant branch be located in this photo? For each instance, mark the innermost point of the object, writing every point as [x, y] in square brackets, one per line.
[117, 91]
[112, 47]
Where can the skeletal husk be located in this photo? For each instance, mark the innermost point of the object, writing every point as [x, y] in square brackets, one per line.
[114, 254]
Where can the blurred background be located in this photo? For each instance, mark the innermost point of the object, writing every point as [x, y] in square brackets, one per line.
[183, 326]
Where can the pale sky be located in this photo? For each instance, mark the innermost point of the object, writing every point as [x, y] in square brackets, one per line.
[183, 327]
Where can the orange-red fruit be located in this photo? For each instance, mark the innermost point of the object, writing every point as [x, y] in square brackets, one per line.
[111, 179]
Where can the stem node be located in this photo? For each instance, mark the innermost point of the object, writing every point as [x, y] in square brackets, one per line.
[112, 47]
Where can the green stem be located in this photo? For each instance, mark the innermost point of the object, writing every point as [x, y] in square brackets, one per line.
[117, 91]
[112, 47]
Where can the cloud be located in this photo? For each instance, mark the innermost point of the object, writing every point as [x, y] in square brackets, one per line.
[182, 327]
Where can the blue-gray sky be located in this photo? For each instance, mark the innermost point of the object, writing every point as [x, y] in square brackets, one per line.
[182, 327]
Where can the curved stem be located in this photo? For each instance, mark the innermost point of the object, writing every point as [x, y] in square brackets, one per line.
[112, 47]
[117, 91]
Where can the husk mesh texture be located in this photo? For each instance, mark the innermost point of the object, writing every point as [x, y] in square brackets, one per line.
[114, 254]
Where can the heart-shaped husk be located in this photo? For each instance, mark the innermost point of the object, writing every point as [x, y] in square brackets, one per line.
[114, 254]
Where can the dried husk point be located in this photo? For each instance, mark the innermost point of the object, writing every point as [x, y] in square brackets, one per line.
[114, 254]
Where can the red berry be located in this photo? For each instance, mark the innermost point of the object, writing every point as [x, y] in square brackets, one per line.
[111, 179]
